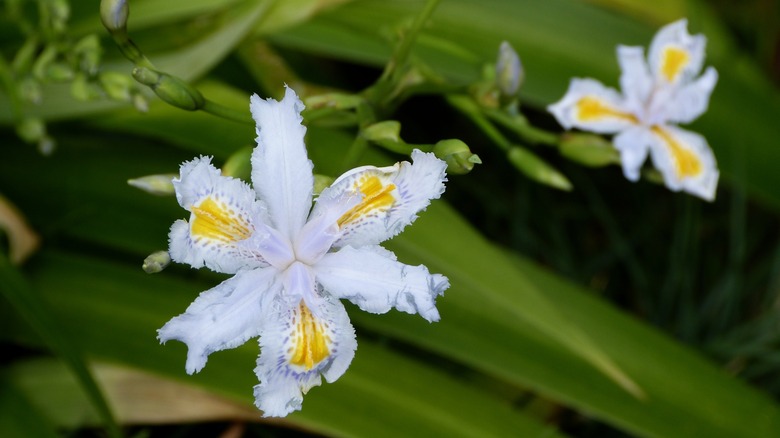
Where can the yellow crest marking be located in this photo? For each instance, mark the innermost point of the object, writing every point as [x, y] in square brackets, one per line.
[310, 342]
[375, 197]
[686, 163]
[214, 220]
[673, 61]
[591, 108]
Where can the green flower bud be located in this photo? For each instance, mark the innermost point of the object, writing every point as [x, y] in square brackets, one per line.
[160, 185]
[59, 12]
[140, 103]
[170, 89]
[537, 169]
[238, 165]
[41, 64]
[588, 149]
[31, 129]
[113, 14]
[59, 72]
[90, 52]
[321, 182]
[457, 155]
[46, 145]
[82, 88]
[509, 70]
[117, 86]
[30, 90]
[156, 262]
[387, 131]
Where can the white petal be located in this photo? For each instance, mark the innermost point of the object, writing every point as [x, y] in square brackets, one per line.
[676, 56]
[281, 170]
[222, 317]
[635, 79]
[591, 106]
[298, 346]
[391, 197]
[633, 145]
[692, 99]
[221, 232]
[371, 278]
[685, 160]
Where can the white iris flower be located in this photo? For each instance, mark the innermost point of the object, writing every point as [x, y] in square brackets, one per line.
[292, 263]
[657, 94]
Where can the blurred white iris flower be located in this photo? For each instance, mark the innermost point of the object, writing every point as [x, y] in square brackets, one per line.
[657, 93]
[293, 262]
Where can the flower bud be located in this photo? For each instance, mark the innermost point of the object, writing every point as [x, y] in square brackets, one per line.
[537, 169]
[116, 85]
[387, 131]
[156, 262]
[160, 185]
[113, 14]
[82, 88]
[30, 90]
[139, 102]
[170, 89]
[59, 72]
[46, 145]
[509, 70]
[457, 155]
[588, 149]
[31, 129]
[90, 52]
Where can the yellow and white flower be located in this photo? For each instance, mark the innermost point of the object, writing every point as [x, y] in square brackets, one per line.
[291, 262]
[657, 93]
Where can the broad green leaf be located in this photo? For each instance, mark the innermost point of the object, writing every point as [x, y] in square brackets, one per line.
[382, 394]
[686, 395]
[31, 307]
[19, 417]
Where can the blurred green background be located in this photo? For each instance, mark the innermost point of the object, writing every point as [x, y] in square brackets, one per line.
[606, 310]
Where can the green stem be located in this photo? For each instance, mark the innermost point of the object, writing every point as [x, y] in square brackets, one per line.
[470, 109]
[401, 54]
[218, 110]
[519, 125]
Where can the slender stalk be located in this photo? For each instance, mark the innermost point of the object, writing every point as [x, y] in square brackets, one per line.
[401, 54]
[465, 105]
[218, 110]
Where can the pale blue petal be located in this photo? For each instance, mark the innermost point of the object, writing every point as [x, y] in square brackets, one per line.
[633, 145]
[222, 317]
[371, 278]
[281, 170]
[390, 198]
[283, 383]
[233, 216]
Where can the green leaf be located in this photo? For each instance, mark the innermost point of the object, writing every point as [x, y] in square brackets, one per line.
[19, 416]
[27, 303]
[382, 394]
